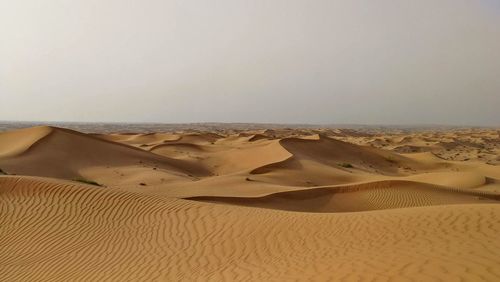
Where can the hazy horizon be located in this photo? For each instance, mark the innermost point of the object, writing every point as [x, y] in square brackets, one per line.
[283, 62]
[284, 124]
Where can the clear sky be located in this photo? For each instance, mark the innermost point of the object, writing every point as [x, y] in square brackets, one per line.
[281, 61]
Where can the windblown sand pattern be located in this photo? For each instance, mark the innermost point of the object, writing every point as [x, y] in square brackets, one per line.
[273, 205]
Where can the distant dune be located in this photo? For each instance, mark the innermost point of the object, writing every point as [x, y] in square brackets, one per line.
[249, 205]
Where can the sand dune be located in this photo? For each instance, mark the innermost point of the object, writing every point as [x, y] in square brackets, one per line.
[462, 145]
[62, 153]
[335, 153]
[14, 143]
[87, 234]
[257, 205]
[361, 197]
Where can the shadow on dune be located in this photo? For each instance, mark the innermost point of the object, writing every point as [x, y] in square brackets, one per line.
[379, 195]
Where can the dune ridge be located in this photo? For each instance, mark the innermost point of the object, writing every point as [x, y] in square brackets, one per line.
[63, 153]
[84, 233]
[254, 205]
[387, 194]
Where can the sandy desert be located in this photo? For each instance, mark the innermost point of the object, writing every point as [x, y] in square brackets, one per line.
[250, 205]
[236, 140]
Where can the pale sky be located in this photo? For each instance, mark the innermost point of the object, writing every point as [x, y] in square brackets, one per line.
[286, 61]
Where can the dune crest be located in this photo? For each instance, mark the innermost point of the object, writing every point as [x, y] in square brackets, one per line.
[256, 205]
[14, 143]
[105, 234]
[389, 194]
[64, 153]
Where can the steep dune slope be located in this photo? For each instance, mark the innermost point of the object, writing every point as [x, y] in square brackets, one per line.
[282, 161]
[324, 161]
[175, 161]
[226, 158]
[261, 205]
[63, 153]
[334, 152]
[14, 143]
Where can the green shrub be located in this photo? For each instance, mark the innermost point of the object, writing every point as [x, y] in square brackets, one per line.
[391, 160]
[346, 165]
[3, 172]
[87, 181]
